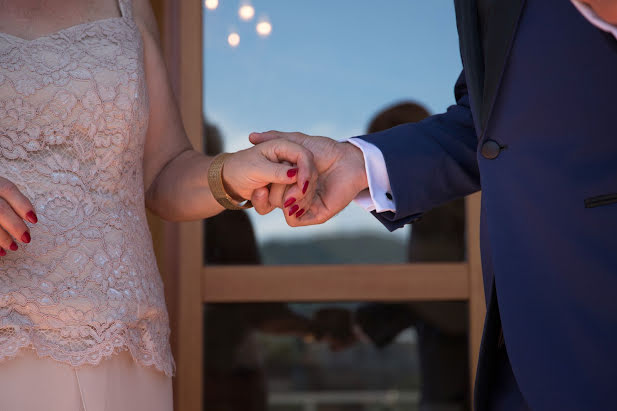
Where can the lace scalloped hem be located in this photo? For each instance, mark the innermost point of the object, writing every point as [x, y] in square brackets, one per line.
[10, 348]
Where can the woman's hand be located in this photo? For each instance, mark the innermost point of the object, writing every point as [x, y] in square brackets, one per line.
[342, 176]
[14, 209]
[279, 162]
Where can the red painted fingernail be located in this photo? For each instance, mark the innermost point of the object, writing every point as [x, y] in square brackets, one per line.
[305, 187]
[292, 173]
[289, 202]
[13, 246]
[32, 217]
[2, 252]
[299, 213]
[26, 237]
[293, 210]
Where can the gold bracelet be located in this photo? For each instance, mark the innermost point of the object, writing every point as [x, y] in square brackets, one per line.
[215, 180]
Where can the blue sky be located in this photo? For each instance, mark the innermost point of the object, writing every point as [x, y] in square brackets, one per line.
[327, 68]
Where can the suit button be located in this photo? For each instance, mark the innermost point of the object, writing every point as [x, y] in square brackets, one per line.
[490, 149]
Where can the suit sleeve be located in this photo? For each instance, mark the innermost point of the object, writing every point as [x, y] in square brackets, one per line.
[429, 162]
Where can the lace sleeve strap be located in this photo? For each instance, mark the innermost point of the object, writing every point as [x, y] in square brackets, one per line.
[126, 8]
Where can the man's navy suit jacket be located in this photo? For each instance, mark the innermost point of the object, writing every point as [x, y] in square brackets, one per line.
[545, 89]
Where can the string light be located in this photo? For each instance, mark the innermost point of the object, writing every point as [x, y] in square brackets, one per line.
[264, 28]
[212, 4]
[246, 12]
[233, 39]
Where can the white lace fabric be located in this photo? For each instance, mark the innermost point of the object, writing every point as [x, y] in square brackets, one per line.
[73, 119]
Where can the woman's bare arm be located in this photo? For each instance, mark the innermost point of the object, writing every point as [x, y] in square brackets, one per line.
[175, 175]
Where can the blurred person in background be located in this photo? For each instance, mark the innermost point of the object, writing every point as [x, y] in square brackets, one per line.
[441, 326]
[234, 375]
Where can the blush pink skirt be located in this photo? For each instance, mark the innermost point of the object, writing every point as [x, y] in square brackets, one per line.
[30, 383]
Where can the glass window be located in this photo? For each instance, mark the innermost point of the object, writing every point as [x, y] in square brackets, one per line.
[325, 68]
[346, 356]
[336, 357]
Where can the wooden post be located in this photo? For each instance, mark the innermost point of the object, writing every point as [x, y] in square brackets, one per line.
[179, 246]
[190, 322]
[477, 305]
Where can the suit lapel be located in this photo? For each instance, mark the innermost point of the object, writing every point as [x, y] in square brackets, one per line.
[502, 23]
[471, 52]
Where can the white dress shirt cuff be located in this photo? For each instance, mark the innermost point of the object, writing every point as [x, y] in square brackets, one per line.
[594, 19]
[378, 197]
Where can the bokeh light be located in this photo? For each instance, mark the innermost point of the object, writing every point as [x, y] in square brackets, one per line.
[212, 4]
[246, 12]
[233, 39]
[264, 28]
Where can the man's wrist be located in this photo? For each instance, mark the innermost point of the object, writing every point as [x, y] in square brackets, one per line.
[356, 159]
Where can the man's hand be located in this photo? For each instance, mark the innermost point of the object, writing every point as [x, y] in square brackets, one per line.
[605, 9]
[274, 162]
[342, 176]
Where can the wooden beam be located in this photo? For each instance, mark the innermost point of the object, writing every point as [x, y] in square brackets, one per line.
[335, 283]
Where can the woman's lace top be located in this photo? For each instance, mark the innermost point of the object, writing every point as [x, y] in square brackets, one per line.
[73, 119]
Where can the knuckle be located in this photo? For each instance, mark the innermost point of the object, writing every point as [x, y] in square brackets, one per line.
[7, 188]
[5, 239]
[5, 209]
[14, 225]
[280, 173]
[309, 154]
[276, 204]
[10, 220]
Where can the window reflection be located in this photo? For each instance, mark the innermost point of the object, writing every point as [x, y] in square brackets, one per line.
[361, 356]
[277, 356]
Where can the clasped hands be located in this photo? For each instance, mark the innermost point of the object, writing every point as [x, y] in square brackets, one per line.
[320, 176]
